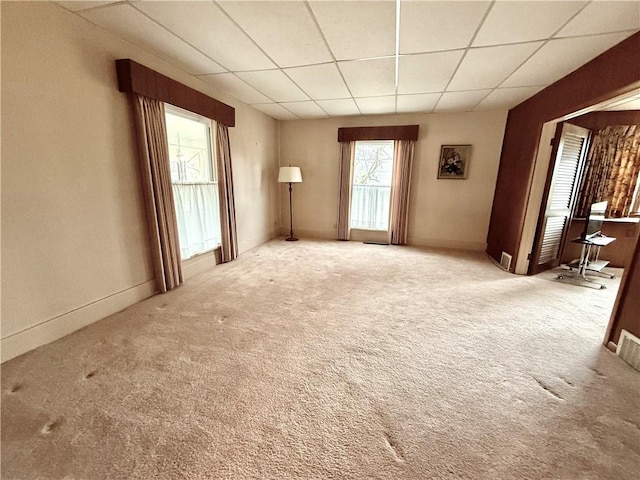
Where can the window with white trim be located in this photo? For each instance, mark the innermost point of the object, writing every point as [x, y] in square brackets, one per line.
[194, 181]
[371, 185]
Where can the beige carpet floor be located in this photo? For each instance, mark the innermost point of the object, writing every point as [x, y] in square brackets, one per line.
[333, 360]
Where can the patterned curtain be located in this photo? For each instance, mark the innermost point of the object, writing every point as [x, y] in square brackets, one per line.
[399, 214]
[612, 171]
[344, 203]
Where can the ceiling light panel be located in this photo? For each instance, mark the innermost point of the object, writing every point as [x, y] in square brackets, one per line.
[507, 98]
[627, 105]
[358, 29]
[236, 87]
[377, 105]
[276, 111]
[305, 109]
[206, 27]
[285, 31]
[511, 22]
[560, 57]
[428, 72]
[434, 26]
[604, 17]
[127, 23]
[460, 101]
[368, 78]
[339, 107]
[488, 67]
[320, 81]
[274, 84]
[423, 103]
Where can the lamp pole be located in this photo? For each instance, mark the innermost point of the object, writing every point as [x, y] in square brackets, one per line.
[291, 237]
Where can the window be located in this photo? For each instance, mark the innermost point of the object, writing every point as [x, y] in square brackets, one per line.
[195, 186]
[371, 185]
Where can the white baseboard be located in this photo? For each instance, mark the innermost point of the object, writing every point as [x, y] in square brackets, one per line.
[303, 233]
[62, 325]
[442, 243]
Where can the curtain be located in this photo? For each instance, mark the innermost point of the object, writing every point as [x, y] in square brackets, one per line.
[197, 216]
[346, 152]
[399, 214]
[612, 171]
[156, 178]
[228, 232]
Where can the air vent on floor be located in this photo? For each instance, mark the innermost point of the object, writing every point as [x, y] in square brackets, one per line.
[505, 261]
[629, 349]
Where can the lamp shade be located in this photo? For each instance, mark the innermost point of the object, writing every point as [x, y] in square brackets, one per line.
[290, 175]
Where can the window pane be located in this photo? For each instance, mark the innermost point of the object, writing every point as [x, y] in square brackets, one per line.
[195, 191]
[188, 150]
[371, 188]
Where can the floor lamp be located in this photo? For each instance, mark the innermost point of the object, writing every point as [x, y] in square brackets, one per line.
[290, 175]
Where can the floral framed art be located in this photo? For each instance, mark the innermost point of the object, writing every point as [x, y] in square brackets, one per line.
[454, 161]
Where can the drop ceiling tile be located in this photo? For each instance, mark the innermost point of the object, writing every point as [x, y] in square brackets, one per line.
[368, 78]
[285, 30]
[80, 5]
[339, 107]
[236, 87]
[377, 105]
[305, 109]
[426, 73]
[205, 26]
[489, 66]
[433, 26]
[507, 98]
[274, 84]
[560, 57]
[604, 17]
[275, 111]
[319, 81]
[126, 22]
[511, 22]
[358, 29]
[460, 101]
[417, 103]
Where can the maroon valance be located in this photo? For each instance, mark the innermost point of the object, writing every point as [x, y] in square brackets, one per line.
[141, 80]
[398, 132]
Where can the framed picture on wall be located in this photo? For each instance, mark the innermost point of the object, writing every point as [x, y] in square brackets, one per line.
[454, 161]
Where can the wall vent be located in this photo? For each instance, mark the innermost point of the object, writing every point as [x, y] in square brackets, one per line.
[629, 349]
[505, 261]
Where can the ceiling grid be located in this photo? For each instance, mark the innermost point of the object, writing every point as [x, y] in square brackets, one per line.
[316, 59]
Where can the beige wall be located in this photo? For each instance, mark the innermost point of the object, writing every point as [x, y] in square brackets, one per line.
[74, 246]
[447, 213]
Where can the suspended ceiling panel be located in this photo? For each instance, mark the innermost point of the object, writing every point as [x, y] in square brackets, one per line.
[310, 59]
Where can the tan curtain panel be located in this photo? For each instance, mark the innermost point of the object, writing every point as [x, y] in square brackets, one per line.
[227, 202]
[344, 203]
[399, 213]
[156, 178]
[612, 171]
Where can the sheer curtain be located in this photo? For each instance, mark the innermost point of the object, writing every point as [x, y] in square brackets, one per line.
[156, 178]
[399, 214]
[229, 234]
[197, 214]
[612, 171]
[344, 203]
